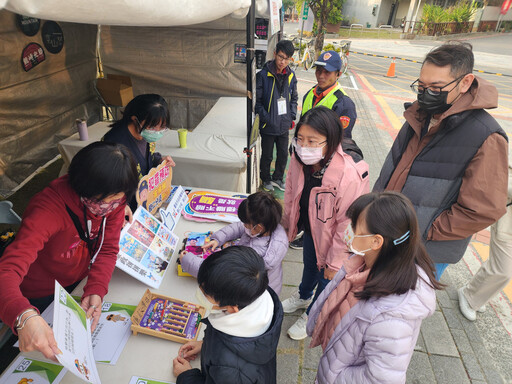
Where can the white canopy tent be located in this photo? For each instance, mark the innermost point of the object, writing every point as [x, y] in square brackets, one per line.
[181, 49]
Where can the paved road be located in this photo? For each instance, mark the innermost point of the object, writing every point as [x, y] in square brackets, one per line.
[496, 44]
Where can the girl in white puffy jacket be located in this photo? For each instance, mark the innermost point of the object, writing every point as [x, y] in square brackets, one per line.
[368, 318]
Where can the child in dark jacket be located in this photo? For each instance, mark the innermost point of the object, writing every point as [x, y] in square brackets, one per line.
[243, 325]
[258, 228]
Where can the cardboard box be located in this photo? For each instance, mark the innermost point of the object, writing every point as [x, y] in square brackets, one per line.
[116, 90]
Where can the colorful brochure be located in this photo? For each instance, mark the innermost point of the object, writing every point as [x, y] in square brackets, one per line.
[111, 334]
[172, 213]
[29, 371]
[72, 331]
[141, 380]
[145, 248]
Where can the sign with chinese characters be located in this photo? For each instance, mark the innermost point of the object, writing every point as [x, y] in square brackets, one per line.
[154, 188]
[72, 330]
[53, 38]
[213, 206]
[31, 56]
[28, 25]
[275, 23]
[145, 248]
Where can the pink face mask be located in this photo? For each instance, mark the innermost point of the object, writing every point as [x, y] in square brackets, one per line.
[101, 208]
[309, 156]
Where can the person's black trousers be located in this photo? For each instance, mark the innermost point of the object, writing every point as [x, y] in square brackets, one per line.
[267, 148]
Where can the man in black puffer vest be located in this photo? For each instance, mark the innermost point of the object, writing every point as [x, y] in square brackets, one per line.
[450, 157]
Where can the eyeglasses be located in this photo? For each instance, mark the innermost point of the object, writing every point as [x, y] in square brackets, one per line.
[308, 143]
[284, 58]
[433, 91]
[152, 129]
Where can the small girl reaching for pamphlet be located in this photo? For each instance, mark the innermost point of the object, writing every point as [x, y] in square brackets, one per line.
[259, 228]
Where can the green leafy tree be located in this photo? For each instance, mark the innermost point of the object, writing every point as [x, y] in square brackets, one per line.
[287, 4]
[324, 11]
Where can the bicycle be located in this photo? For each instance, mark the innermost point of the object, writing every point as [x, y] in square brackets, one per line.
[344, 47]
[308, 57]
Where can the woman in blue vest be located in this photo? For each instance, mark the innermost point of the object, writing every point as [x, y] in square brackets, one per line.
[145, 120]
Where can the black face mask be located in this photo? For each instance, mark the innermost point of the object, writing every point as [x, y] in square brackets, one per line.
[434, 105]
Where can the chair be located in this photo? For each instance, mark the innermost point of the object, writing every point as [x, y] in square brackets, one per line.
[7, 215]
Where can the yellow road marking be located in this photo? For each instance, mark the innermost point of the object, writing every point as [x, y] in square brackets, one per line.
[392, 117]
[407, 89]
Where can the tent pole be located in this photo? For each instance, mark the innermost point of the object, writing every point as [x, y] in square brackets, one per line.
[251, 93]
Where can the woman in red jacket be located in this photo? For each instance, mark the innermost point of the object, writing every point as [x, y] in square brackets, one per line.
[69, 231]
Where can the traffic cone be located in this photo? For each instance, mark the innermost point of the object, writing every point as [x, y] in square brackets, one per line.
[391, 70]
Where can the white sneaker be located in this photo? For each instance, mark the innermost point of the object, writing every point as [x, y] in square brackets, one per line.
[298, 330]
[468, 312]
[482, 309]
[295, 302]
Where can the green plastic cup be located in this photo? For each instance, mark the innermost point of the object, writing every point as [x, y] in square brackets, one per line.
[182, 136]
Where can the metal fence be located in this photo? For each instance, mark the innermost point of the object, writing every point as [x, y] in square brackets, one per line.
[437, 29]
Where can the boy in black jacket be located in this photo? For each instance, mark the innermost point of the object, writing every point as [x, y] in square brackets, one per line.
[243, 325]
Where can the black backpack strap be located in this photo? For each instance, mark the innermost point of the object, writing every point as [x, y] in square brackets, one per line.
[85, 236]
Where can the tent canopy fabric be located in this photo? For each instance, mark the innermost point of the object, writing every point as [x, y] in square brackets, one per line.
[149, 13]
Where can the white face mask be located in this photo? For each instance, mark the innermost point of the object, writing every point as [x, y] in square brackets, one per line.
[249, 232]
[308, 155]
[349, 238]
[203, 301]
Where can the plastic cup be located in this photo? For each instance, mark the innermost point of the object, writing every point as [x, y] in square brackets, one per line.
[182, 136]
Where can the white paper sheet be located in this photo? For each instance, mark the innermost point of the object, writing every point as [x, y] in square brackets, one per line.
[72, 331]
[30, 371]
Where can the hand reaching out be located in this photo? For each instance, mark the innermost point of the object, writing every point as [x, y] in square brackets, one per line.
[37, 335]
[212, 245]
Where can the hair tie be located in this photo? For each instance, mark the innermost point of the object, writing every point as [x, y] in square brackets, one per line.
[402, 238]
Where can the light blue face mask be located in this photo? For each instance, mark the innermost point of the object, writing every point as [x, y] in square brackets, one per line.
[151, 136]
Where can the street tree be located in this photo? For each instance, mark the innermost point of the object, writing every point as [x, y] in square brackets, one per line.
[323, 11]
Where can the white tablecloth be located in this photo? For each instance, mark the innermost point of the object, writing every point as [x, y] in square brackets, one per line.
[214, 155]
[144, 355]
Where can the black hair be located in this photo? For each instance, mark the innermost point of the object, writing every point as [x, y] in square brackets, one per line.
[391, 215]
[457, 54]
[327, 123]
[261, 208]
[285, 46]
[233, 276]
[150, 110]
[102, 169]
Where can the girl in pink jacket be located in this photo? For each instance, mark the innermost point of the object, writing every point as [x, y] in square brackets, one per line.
[321, 184]
[368, 318]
